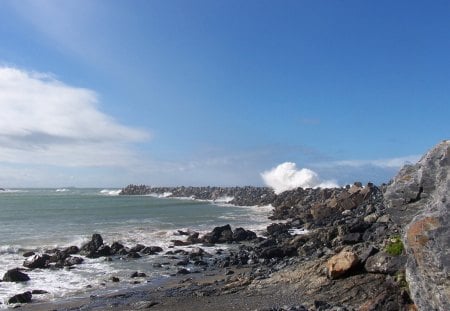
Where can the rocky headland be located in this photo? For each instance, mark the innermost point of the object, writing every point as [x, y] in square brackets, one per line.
[361, 247]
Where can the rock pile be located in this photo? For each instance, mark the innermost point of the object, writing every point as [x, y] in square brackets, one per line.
[347, 233]
[240, 196]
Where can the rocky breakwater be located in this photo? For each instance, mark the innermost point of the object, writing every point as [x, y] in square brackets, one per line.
[419, 201]
[240, 196]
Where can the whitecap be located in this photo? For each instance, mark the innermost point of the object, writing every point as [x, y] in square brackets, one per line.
[225, 199]
[110, 192]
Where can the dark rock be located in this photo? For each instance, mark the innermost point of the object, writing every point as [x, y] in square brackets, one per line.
[122, 252]
[180, 243]
[194, 238]
[267, 243]
[116, 247]
[137, 274]
[183, 271]
[58, 256]
[137, 248]
[37, 261]
[39, 292]
[365, 254]
[15, 275]
[222, 234]
[21, 298]
[351, 238]
[277, 252]
[150, 250]
[276, 229]
[71, 250]
[28, 254]
[384, 263]
[133, 255]
[103, 251]
[115, 279]
[90, 249]
[272, 252]
[240, 234]
[73, 260]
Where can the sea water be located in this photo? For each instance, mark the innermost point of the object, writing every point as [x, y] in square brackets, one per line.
[42, 219]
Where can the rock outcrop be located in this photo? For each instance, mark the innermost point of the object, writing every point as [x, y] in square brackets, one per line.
[418, 199]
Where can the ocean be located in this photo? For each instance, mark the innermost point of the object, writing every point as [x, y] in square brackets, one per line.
[41, 219]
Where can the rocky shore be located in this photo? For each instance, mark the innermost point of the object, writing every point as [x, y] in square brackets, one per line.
[362, 247]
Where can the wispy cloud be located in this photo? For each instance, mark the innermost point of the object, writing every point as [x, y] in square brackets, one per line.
[44, 121]
[396, 162]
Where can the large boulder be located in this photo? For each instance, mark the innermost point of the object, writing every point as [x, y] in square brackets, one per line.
[15, 275]
[222, 234]
[341, 264]
[95, 248]
[418, 199]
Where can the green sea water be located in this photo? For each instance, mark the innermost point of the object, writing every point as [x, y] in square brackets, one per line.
[40, 219]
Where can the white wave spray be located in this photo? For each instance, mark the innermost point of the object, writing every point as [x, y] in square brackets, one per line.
[287, 176]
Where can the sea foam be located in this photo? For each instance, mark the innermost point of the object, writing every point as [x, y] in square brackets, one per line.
[110, 192]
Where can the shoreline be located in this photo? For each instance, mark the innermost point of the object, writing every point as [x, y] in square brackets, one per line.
[245, 263]
[249, 272]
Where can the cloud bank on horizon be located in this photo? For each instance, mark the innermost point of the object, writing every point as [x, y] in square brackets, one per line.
[44, 121]
[286, 176]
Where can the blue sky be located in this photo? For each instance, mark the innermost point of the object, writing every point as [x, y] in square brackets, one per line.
[108, 93]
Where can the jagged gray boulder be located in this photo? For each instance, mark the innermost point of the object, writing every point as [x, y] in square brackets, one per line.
[418, 200]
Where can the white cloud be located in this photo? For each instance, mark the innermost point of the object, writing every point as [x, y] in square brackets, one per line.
[44, 121]
[397, 162]
[286, 176]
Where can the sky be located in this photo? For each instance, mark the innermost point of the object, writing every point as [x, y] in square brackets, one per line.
[106, 93]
